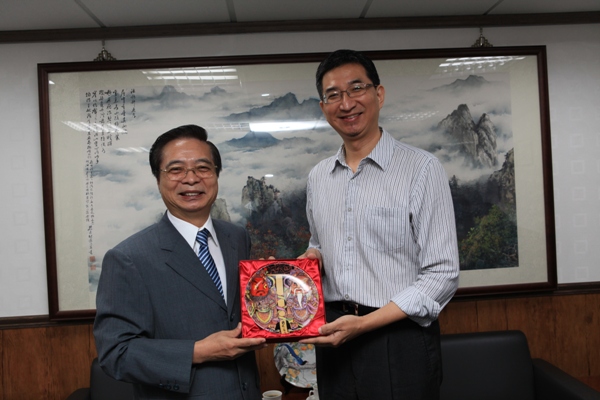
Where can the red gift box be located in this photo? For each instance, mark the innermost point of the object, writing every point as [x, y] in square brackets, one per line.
[282, 300]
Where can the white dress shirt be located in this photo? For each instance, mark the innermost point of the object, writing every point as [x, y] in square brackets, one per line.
[189, 232]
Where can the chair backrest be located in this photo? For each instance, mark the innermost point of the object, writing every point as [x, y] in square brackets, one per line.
[103, 387]
[487, 365]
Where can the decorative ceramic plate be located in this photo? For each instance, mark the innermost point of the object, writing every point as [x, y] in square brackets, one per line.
[296, 363]
[281, 293]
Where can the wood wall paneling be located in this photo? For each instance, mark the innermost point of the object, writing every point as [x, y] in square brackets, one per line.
[570, 335]
[491, 315]
[45, 363]
[535, 317]
[1, 363]
[592, 322]
[50, 362]
[69, 353]
[269, 376]
[459, 317]
[26, 357]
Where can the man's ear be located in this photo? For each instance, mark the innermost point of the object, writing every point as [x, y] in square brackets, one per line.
[322, 106]
[381, 95]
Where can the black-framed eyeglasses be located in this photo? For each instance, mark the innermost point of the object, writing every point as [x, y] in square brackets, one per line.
[355, 90]
[178, 173]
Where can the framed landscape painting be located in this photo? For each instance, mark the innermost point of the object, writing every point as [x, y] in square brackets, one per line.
[482, 111]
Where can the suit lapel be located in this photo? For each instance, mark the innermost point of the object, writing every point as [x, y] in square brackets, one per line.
[181, 258]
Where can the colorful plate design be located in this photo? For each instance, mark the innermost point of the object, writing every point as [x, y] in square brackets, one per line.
[296, 362]
[281, 298]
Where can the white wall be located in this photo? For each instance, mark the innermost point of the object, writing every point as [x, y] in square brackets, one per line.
[574, 86]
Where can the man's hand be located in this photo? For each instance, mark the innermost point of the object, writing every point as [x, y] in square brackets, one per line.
[225, 345]
[313, 253]
[338, 332]
[349, 327]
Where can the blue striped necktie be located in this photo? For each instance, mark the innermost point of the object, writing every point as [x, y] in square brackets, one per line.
[207, 260]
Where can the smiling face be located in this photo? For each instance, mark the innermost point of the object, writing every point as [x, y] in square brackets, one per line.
[353, 118]
[191, 198]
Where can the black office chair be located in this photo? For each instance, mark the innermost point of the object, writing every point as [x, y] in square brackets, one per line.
[103, 387]
[498, 366]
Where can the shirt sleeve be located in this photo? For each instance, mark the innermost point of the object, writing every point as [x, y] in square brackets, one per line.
[314, 238]
[434, 231]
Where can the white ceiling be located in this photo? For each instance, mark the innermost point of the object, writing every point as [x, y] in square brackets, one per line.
[23, 15]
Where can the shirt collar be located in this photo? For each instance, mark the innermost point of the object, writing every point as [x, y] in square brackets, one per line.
[380, 155]
[383, 151]
[189, 231]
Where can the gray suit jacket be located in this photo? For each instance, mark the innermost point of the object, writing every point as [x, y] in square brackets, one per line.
[154, 300]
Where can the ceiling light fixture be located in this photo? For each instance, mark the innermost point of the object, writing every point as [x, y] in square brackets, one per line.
[198, 74]
[104, 55]
[481, 40]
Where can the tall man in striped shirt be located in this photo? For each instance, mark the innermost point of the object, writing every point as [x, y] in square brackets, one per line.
[382, 224]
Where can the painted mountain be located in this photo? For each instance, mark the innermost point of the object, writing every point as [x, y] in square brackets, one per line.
[486, 223]
[475, 140]
[462, 85]
[286, 108]
[253, 141]
[276, 221]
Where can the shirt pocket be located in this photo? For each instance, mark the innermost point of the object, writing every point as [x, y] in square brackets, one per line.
[385, 228]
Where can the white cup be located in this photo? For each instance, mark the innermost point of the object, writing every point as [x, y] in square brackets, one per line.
[272, 395]
[314, 393]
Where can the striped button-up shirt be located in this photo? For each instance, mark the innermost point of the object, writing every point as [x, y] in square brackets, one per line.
[387, 232]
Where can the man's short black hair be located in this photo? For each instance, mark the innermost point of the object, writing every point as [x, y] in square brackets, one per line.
[343, 57]
[182, 132]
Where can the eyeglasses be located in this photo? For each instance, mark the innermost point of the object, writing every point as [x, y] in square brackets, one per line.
[178, 173]
[356, 90]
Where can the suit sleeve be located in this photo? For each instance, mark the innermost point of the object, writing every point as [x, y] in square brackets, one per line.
[124, 331]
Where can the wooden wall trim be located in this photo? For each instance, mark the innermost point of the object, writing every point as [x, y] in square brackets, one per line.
[578, 288]
[569, 289]
[37, 321]
[225, 28]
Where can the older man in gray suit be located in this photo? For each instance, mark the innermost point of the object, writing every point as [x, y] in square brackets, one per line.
[168, 303]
